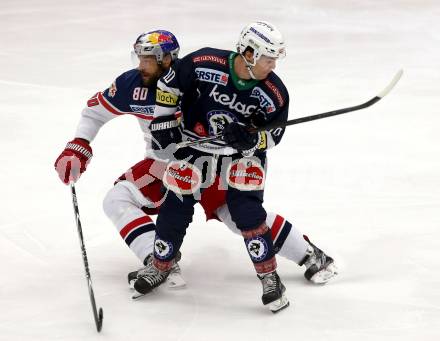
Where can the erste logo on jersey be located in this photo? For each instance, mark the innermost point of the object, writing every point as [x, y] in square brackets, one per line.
[218, 119]
[143, 109]
[212, 76]
[265, 101]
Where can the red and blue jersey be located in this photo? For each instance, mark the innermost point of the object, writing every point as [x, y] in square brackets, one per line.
[126, 95]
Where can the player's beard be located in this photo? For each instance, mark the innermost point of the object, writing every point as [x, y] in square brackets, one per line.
[149, 79]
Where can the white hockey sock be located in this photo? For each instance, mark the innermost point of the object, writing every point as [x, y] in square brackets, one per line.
[122, 205]
[287, 240]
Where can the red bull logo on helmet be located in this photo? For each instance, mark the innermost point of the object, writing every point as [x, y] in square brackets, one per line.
[159, 37]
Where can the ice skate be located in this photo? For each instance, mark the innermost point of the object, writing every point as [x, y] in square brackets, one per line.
[150, 278]
[133, 275]
[320, 267]
[273, 292]
[175, 279]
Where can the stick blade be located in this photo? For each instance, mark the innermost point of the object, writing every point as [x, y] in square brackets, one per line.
[392, 84]
[99, 321]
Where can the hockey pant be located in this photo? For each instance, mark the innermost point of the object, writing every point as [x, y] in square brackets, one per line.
[129, 205]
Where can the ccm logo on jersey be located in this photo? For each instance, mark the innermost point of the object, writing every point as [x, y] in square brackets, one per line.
[265, 101]
[182, 177]
[212, 76]
[166, 98]
[246, 174]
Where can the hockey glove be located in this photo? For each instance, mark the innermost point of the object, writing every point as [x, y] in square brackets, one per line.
[165, 130]
[238, 136]
[73, 161]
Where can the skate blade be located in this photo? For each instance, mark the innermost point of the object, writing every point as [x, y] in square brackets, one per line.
[323, 276]
[137, 295]
[279, 304]
[175, 281]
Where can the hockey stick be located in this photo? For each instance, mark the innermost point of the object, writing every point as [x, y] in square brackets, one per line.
[98, 316]
[276, 125]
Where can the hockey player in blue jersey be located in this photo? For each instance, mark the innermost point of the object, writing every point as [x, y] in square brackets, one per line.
[137, 193]
[224, 92]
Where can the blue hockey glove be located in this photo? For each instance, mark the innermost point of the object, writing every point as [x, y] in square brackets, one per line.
[239, 137]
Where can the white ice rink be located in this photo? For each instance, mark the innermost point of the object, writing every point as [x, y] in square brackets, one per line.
[364, 186]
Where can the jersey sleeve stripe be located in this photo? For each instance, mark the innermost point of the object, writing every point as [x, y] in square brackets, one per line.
[109, 107]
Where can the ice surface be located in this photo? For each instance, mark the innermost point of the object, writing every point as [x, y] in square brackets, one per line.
[363, 186]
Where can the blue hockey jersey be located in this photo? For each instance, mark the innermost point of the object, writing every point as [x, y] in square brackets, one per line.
[210, 95]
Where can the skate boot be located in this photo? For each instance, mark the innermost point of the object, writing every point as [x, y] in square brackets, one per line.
[175, 279]
[320, 267]
[149, 279]
[273, 292]
[133, 275]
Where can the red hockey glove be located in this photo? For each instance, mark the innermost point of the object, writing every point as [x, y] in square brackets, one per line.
[73, 161]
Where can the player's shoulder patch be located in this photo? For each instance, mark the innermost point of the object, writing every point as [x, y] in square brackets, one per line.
[277, 89]
[93, 101]
[123, 84]
[112, 89]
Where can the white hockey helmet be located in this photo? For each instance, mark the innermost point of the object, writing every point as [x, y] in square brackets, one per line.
[157, 43]
[264, 38]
